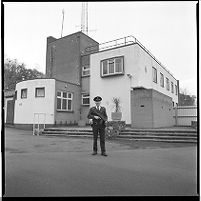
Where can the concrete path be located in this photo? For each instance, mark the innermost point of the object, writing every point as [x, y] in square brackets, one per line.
[39, 166]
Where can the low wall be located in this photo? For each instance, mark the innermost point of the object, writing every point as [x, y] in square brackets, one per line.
[184, 115]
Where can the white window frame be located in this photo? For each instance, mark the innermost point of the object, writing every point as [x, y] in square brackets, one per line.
[67, 98]
[161, 80]
[172, 87]
[176, 89]
[167, 84]
[85, 96]
[154, 74]
[22, 95]
[38, 96]
[85, 70]
[112, 62]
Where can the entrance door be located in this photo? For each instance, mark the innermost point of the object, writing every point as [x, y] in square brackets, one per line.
[10, 112]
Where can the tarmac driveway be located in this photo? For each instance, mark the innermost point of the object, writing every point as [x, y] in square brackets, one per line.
[37, 166]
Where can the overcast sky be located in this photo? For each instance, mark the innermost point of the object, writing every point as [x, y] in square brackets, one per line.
[167, 29]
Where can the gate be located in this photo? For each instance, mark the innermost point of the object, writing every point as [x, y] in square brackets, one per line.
[39, 123]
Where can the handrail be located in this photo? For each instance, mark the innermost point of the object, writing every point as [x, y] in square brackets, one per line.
[132, 39]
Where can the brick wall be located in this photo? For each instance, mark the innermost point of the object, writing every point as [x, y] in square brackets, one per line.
[150, 109]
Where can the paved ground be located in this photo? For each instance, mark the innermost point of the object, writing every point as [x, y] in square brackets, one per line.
[61, 166]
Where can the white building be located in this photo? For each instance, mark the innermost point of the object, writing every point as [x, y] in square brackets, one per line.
[114, 72]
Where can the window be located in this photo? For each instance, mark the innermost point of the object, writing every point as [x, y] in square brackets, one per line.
[172, 87]
[85, 99]
[161, 80]
[167, 84]
[112, 66]
[23, 93]
[154, 74]
[176, 91]
[85, 70]
[64, 101]
[40, 92]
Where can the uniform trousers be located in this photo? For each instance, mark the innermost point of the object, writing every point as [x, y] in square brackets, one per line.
[99, 130]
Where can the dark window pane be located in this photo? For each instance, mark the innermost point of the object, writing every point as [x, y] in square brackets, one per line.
[69, 104]
[64, 102]
[64, 94]
[58, 103]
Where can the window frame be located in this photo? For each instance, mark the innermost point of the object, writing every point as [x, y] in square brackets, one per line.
[153, 73]
[167, 84]
[109, 62]
[24, 89]
[172, 87]
[84, 69]
[87, 96]
[67, 101]
[162, 84]
[36, 92]
[176, 90]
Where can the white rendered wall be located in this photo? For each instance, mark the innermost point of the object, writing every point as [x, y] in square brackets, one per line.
[145, 64]
[25, 108]
[114, 86]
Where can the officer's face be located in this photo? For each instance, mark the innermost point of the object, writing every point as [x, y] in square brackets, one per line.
[98, 103]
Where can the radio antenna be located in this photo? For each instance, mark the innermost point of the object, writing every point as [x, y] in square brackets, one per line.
[62, 22]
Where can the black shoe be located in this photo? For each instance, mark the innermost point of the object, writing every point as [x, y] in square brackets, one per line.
[94, 153]
[104, 154]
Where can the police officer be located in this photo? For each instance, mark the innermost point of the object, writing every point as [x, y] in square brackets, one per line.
[98, 117]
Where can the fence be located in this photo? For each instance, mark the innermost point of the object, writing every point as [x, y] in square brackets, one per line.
[185, 115]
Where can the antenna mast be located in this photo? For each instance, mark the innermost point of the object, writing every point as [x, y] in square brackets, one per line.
[84, 18]
[62, 22]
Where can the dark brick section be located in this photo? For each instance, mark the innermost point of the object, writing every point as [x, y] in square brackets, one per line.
[151, 109]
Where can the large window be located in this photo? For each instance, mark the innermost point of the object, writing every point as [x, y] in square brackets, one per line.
[85, 70]
[23, 93]
[85, 99]
[64, 101]
[167, 84]
[161, 80]
[40, 92]
[154, 74]
[172, 87]
[112, 66]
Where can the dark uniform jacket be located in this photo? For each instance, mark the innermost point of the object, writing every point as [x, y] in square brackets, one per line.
[101, 113]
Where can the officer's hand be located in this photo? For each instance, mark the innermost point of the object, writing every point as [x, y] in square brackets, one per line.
[96, 117]
[90, 121]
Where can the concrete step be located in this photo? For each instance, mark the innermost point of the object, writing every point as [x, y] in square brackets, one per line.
[159, 134]
[130, 138]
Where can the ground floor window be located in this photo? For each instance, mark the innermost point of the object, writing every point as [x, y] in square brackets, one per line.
[64, 101]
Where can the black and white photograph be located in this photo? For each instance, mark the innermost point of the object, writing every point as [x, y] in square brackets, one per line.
[100, 99]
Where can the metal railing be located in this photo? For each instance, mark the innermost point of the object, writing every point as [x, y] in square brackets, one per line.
[122, 42]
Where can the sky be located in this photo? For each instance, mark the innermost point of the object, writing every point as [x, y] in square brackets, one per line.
[166, 29]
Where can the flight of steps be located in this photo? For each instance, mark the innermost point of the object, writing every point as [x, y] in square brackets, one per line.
[160, 135]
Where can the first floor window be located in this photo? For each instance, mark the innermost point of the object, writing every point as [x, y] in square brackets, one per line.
[112, 66]
[154, 74]
[172, 87]
[23, 93]
[40, 92]
[167, 84]
[161, 80]
[64, 101]
[85, 99]
[176, 92]
[85, 70]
